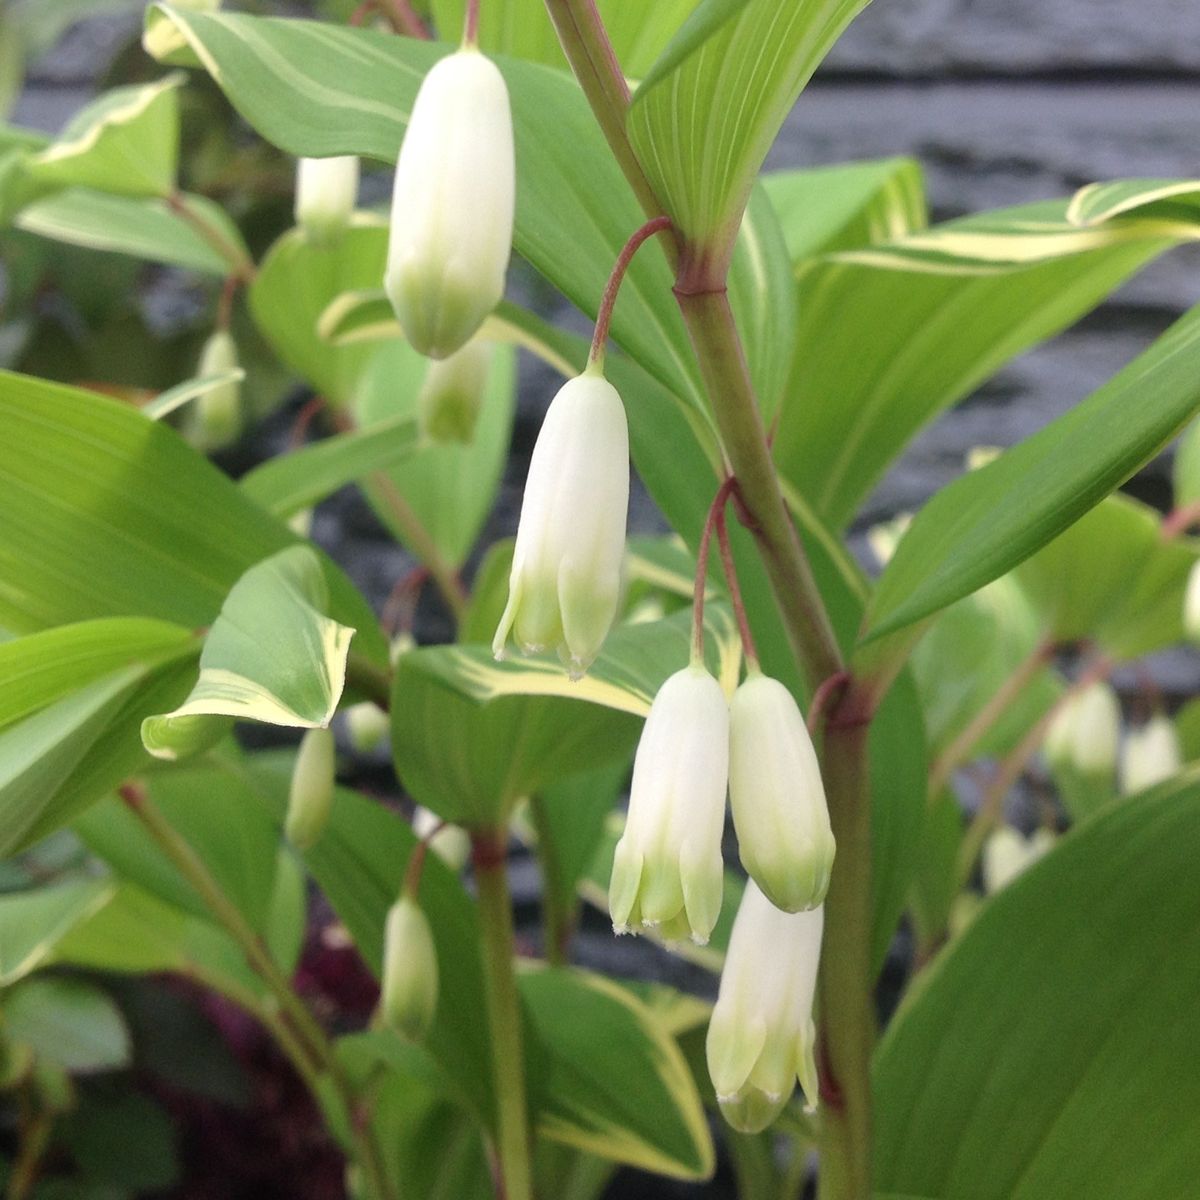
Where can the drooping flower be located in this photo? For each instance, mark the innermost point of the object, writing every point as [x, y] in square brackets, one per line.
[667, 872]
[452, 205]
[1007, 852]
[761, 1037]
[778, 800]
[310, 797]
[215, 417]
[408, 999]
[566, 574]
[452, 393]
[1191, 604]
[1150, 755]
[326, 191]
[1086, 731]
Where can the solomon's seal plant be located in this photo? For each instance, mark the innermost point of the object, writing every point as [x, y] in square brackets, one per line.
[921, 760]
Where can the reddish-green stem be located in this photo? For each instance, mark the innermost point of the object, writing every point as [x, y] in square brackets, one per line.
[735, 591]
[700, 587]
[609, 300]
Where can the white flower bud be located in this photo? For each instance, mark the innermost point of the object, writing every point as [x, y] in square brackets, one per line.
[326, 191]
[761, 1038]
[1007, 852]
[310, 799]
[1086, 731]
[367, 725]
[452, 207]
[452, 394]
[408, 1000]
[667, 871]
[451, 843]
[1191, 604]
[1150, 755]
[215, 418]
[778, 800]
[566, 573]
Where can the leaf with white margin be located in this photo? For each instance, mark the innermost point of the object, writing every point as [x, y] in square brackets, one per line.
[272, 656]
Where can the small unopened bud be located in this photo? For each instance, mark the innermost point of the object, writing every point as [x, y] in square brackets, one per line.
[310, 799]
[1191, 604]
[452, 395]
[566, 573]
[452, 206]
[667, 871]
[215, 418]
[326, 190]
[1150, 755]
[451, 843]
[1007, 852]
[408, 999]
[367, 725]
[778, 800]
[761, 1037]
[1086, 731]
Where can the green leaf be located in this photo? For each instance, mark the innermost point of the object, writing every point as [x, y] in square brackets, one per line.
[44, 667]
[1111, 577]
[988, 521]
[32, 923]
[138, 227]
[316, 90]
[970, 650]
[900, 331]
[704, 20]
[824, 209]
[297, 281]
[1059, 1030]
[64, 756]
[702, 125]
[67, 1022]
[290, 482]
[108, 514]
[125, 142]
[167, 402]
[219, 816]
[450, 489]
[272, 655]
[615, 1082]
[1101, 202]
[1185, 471]
[127, 1141]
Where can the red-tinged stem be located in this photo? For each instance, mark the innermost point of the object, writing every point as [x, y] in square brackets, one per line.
[609, 300]
[702, 552]
[304, 418]
[240, 265]
[735, 591]
[1180, 520]
[225, 300]
[471, 24]
[416, 864]
[824, 698]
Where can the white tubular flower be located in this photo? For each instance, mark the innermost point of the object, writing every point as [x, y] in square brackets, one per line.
[451, 843]
[778, 800]
[326, 191]
[1191, 604]
[452, 207]
[1007, 852]
[566, 573]
[408, 998]
[1086, 732]
[1150, 755]
[667, 872]
[367, 726]
[452, 393]
[215, 418]
[761, 1038]
[310, 798]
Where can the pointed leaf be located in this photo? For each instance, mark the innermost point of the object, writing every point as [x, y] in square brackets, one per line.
[67, 1022]
[33, 923]
[272, 655]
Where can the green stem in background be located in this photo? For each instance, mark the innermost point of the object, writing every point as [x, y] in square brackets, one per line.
[372, 681]
[558, 913]
[586, 44]
[845, 992]
[714, 335]
[504, 1013]
[959, 750]
[735, 593]
[240, 266]
[35, 1140]
[308, 1039]
[1011, 769]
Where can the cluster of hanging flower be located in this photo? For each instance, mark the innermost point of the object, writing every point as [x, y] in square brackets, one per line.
[445, 274]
